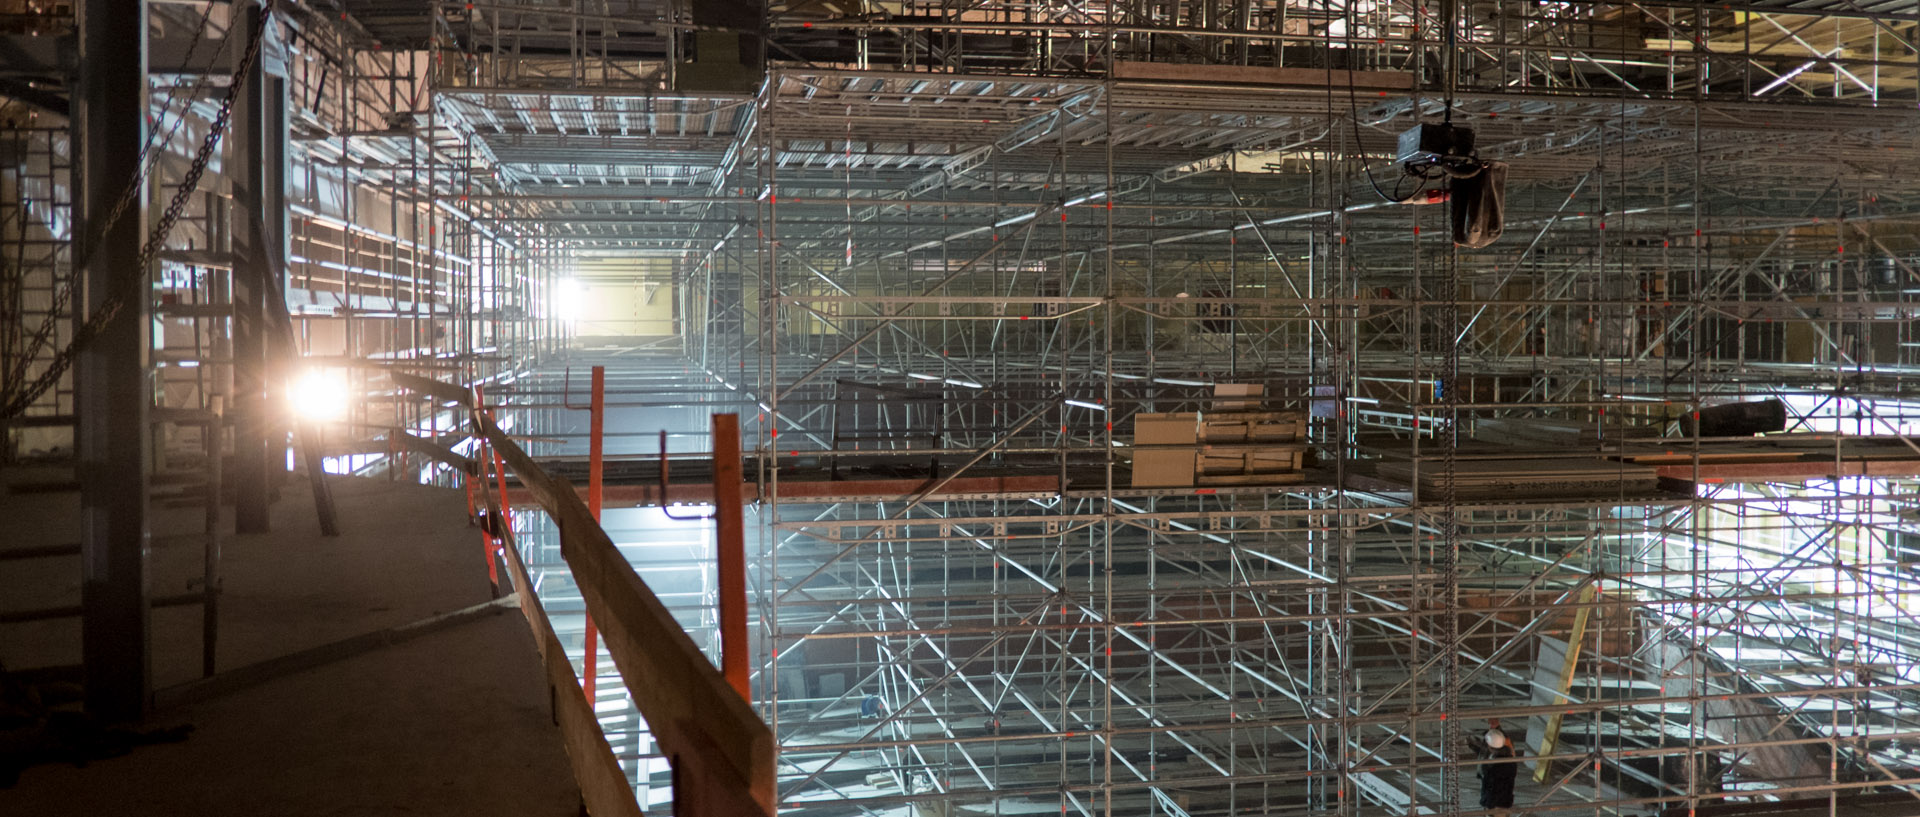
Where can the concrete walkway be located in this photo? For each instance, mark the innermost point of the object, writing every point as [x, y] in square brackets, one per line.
[454, 721]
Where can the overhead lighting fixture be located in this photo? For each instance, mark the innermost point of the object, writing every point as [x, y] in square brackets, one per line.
[318, 395]
[569, 299]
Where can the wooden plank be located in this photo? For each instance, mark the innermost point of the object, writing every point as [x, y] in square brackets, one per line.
[440, 453]
[905, 488]
[253, 675]
[696, 715]
[1884, 468]
[603, 784]
[1318, 78]
[432, 388]
[1530, 478]
[1271, 478]
[1792, 471]
[709, 731]
[1549, 743]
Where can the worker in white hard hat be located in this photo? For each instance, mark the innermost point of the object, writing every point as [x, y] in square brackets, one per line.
[1496, 778]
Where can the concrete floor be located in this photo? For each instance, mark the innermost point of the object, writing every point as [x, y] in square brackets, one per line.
[454, 722]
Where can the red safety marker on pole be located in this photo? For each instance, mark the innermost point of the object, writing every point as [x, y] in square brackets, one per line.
[487, 539]
[730, 538]
[596, 451]
[506, 512]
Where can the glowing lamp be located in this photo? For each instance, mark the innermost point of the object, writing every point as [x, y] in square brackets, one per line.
[318, 395]
[569, 298]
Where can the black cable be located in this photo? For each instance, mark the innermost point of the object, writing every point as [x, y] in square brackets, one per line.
[1448, 12]
[1353, 118]
[1395, 198]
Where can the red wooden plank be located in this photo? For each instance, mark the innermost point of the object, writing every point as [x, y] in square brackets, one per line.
[1792, 471]
[904, 488]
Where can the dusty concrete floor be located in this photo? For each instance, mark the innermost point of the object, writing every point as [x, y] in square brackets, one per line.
[454, 722]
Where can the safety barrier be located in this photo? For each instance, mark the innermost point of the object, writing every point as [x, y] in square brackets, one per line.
[721, 752]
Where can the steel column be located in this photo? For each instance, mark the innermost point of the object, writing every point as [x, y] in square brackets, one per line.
[259, 157]
[112, 380]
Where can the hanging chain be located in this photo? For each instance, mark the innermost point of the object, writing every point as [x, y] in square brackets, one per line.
[63, 296]
[133, 280]
[1452, 737]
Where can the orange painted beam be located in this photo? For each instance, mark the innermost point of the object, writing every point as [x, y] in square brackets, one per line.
[867, 489]
[596, 462]
[628, 496]
[730, 539]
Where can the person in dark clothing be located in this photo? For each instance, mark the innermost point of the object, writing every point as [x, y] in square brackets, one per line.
[1496, 779]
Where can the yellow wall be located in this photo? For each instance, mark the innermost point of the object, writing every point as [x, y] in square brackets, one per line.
[625, 297]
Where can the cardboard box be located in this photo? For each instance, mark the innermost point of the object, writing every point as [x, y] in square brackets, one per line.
[1166, 429]
[1163, 468]
[1234, 396]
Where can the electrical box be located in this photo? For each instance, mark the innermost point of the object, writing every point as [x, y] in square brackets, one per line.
[1426, 143]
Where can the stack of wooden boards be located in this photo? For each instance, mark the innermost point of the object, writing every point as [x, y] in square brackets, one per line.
[1526, 478]
[1241, 444]
[1554, 432]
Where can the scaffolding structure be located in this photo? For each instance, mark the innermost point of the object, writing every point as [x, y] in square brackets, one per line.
[1049, 218]
[392, 253]
[961, 247]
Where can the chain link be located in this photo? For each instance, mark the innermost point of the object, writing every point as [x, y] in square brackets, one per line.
[133, 280]
[1453, 736]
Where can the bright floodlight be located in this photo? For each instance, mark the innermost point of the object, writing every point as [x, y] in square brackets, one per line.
[318, 395]
[568, 299]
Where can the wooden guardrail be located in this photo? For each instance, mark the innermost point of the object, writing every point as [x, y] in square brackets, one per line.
[722, 753]
[604, 788]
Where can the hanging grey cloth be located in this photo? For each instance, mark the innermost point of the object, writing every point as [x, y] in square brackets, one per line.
[1479, 206]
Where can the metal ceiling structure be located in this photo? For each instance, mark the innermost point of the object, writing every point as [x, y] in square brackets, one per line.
[1045, 218]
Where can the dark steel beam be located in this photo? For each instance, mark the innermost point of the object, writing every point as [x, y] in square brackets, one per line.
[259, 154]
[53, 58]
[111, 376]
[26, 91]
